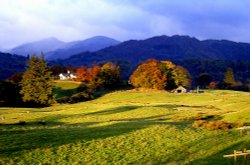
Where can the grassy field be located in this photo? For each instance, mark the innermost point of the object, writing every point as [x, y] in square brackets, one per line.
[65, 88]
[125, 127]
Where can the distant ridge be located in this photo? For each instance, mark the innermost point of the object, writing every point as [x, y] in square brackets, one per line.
[56, 49]
[166, 48]
[75, 47]
[45, 45]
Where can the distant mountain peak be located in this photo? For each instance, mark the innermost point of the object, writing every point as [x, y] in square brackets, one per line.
[3, 50]
[90, 44]
[50, 39]
[36, 47]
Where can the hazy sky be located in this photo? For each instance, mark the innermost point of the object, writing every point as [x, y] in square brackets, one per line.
[23, 21]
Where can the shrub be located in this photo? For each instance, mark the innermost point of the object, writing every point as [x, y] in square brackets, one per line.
[217, 125]
[199, 123]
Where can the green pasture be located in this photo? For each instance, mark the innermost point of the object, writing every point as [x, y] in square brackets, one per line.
[125, 127]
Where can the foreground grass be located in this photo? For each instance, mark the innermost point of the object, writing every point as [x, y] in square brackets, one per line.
[123, 128]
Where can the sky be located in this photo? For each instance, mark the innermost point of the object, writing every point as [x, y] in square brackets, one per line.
[23, 21]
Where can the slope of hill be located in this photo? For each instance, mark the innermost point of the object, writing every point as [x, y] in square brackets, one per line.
[126, 127]
[10, 64]
[45, 45]
[75, 47]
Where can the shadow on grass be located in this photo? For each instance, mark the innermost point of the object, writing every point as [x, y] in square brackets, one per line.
[174, 106]
[59, 92]
[113, 110]
[31, 135]
[217, 157]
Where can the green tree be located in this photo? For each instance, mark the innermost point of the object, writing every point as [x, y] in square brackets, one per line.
[182, 77]
[204, 79]
[229, 77]
[110, 75]
[36, 84]
[169, 69]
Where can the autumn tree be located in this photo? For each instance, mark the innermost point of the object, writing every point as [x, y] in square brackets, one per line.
[36, 86]
[229, 77]
[97, 77]
[149, 75]
[82, 74]
[159, 75]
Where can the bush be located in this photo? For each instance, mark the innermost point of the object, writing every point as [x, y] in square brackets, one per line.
[199, 123]
[217, 125]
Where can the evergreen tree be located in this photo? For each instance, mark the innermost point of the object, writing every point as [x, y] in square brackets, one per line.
[36, 82]
[229, 77]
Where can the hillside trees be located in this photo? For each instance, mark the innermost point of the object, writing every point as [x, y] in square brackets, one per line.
[160, 75]
[9, 94]
[36, 85]
[106, 76]
[204, 80]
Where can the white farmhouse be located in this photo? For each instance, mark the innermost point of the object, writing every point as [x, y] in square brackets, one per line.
[67, 76]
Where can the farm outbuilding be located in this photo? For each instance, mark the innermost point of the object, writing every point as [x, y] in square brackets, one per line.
[180, 89]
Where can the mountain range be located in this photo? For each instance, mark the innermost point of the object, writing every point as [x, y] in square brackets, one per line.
[45, 45]
[56, 49]
[169, 48]
[75, 47]
[196, 55]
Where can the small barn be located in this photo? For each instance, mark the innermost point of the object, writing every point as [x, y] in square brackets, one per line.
[180, 89]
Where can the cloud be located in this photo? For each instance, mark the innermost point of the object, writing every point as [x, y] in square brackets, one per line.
[28, 20]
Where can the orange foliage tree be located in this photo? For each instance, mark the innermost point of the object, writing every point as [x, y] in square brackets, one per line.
[106, 76]
[149, 75]
[160, 75]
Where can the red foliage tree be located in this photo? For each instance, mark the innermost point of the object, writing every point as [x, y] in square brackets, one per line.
[81, 74]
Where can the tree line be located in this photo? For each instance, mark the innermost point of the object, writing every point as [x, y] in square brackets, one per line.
[35, 87]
